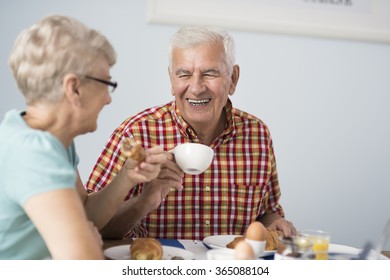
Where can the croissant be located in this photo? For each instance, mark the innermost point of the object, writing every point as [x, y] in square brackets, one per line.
[146, 249]
[133, 150]
[272, 240]
[234, 242]
[273, 237]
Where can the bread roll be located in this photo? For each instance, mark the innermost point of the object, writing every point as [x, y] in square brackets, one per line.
[146, 249]
[133, 150]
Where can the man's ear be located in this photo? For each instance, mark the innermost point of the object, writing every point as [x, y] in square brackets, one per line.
[170, 79]
[71, 84]
[169, 73]
[235, 77]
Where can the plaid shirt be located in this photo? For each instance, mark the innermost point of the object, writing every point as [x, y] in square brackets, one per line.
[240, 185]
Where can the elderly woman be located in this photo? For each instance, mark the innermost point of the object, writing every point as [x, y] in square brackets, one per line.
[62, 69]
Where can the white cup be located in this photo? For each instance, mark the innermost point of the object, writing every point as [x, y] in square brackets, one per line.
[193, 158]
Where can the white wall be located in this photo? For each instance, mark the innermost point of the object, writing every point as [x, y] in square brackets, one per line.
[325, 101]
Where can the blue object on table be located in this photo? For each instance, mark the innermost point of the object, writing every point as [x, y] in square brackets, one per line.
[269, 257]
[207, 246]
[171, 242]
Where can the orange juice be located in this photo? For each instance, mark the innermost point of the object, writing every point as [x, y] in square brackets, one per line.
[320, 241]
[320, 248]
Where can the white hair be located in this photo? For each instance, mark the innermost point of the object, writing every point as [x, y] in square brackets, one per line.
[48, 50]
[190, 36]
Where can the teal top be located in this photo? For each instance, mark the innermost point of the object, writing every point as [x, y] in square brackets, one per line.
[31, 162]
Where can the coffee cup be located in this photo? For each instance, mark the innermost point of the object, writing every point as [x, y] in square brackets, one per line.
[193, 158]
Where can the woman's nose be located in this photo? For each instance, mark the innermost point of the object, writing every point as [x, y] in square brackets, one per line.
[109, 98]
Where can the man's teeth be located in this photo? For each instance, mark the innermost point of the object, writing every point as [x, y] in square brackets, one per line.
[196, 102]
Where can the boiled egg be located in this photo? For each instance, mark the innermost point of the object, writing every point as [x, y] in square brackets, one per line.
[243, 251]
[256, 231]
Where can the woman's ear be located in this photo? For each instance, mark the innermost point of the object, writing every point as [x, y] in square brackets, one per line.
[71, 84]
[235, 77]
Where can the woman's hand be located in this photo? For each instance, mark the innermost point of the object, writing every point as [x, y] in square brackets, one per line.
[148, 169]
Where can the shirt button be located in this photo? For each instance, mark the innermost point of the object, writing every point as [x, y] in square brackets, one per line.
[207, 222]
[207, 188]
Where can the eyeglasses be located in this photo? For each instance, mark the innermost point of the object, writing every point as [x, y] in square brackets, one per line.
[112, 85]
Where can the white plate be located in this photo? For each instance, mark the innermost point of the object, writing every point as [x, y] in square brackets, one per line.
[344, 251]
[220, 242]
[336, 251]
[122, 252]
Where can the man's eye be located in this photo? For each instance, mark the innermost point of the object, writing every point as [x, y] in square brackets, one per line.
[210, 75]
[183, 76]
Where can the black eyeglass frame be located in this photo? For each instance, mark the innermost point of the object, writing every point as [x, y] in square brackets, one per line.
[109, 83]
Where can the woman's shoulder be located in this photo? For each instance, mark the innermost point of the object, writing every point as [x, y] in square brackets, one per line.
[36, 162]
[34, 141]
[28, 147]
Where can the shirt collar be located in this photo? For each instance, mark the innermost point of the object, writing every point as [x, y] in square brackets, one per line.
[190, 134]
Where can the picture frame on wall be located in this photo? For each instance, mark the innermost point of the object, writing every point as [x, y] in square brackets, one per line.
[367, 20]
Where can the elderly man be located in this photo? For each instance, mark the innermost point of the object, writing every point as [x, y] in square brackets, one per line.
[240, 186]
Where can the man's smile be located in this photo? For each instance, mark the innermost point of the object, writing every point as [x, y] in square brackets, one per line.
[198, 102]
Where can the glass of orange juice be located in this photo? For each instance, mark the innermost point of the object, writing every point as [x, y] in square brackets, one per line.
[320, 240]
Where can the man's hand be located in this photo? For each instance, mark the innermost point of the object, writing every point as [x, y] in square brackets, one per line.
[275, 221]
[169, 179]
[284, 225]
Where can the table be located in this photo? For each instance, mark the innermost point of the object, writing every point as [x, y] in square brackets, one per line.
[195, 246]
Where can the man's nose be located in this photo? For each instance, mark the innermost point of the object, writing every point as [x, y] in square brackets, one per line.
[197, 85]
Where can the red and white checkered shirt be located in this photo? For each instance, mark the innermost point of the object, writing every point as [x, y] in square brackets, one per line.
[240, 185]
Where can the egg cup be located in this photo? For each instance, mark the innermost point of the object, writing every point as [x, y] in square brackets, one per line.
[257, 246]
[220, 254]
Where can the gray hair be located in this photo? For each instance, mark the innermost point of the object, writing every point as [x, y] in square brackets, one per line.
[190, 36]
[53, 47]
